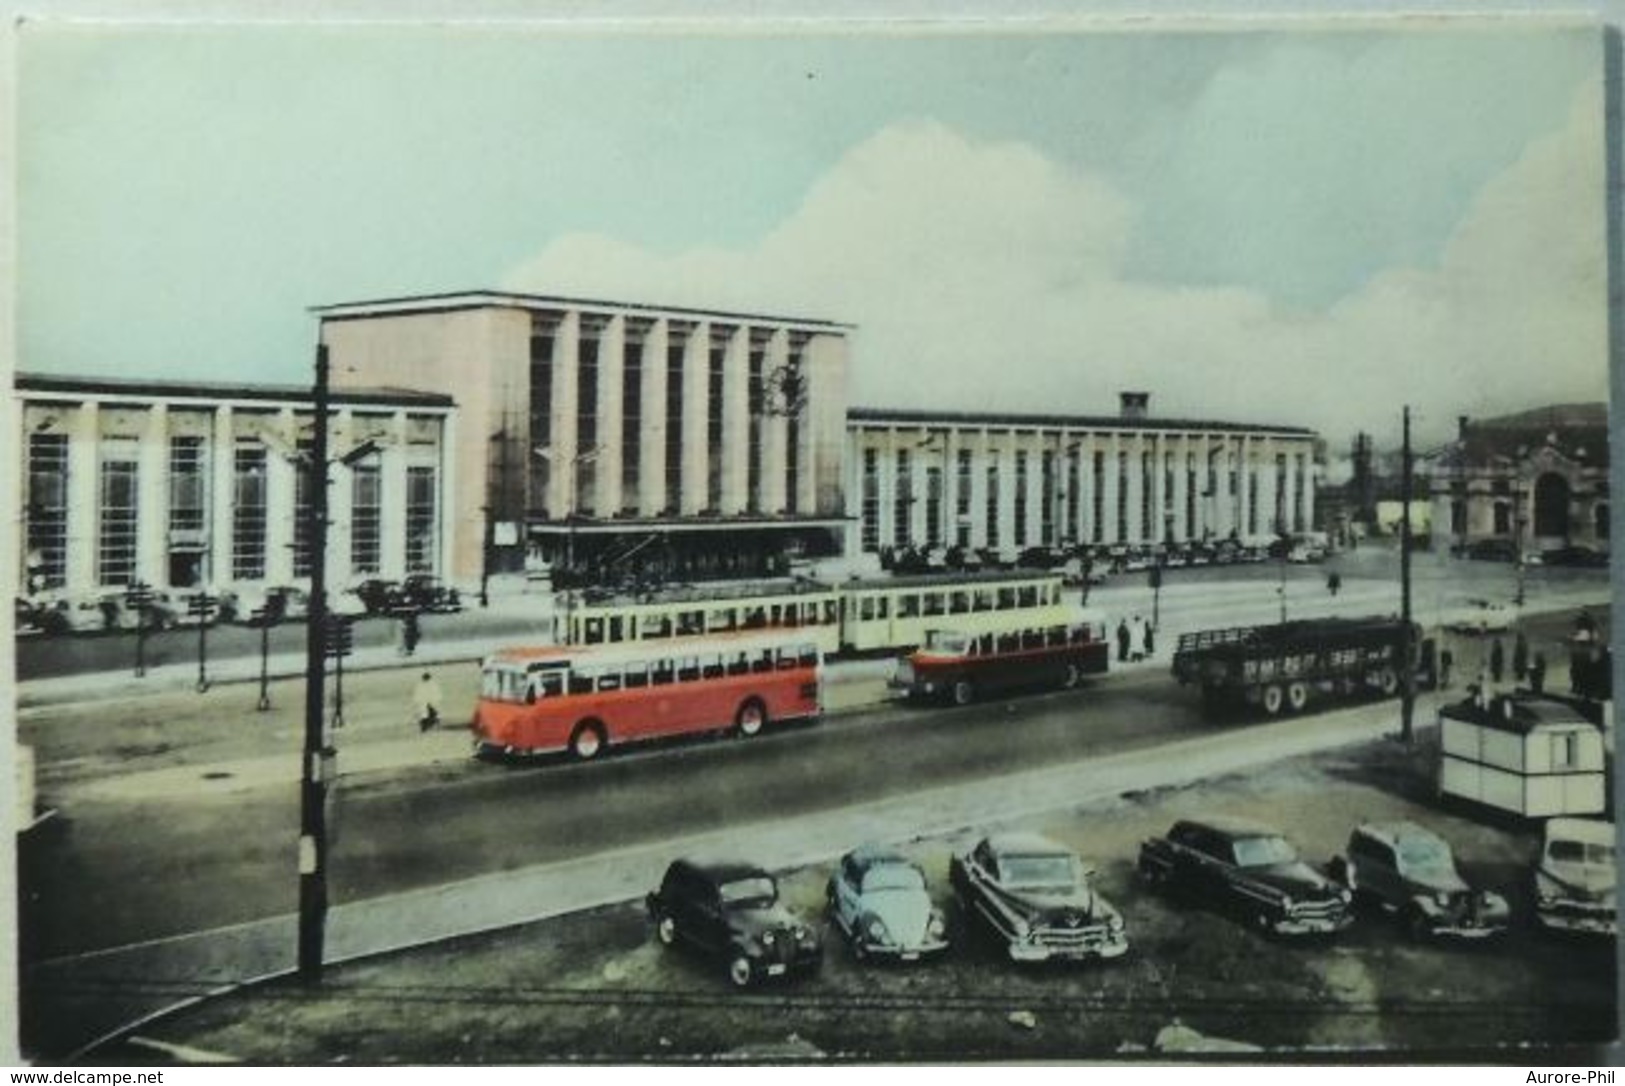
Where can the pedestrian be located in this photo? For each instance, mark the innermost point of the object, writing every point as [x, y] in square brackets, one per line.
[426, 702]
[1122, 640]
[1537, 673]
[1497, 661]
[1334, 581]
[1520, 658]
[409, 633]
[1137, 639]
[1150, 639]
[1446, 660]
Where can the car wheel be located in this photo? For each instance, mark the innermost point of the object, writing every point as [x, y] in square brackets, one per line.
[666, 930]
[739, 971]
[1297, 696]
[587, 741]
[964, 692]
[751, 718]
[1387, 682]
[1272, 698]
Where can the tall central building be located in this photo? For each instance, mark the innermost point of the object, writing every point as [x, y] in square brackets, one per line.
[621, 441]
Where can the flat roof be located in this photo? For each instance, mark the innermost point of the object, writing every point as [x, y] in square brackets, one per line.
[214, 391]
[481, 299]
[929, 419]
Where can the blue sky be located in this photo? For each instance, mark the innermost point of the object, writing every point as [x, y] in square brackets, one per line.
[1044, 218]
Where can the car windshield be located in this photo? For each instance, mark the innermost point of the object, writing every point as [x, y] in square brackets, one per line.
[503, 684]
[1425, 855]
[892, 877]
[751, 893]
[1576, 852]
[946, 641]
[1039, 872]
[1263, 851]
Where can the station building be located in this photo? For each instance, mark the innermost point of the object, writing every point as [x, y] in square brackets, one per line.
[184, 485]
[1537, 479]
[618, 441]
[1008, 482]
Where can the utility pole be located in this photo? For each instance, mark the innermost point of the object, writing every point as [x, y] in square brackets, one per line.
[1407, 689]
[318, 756]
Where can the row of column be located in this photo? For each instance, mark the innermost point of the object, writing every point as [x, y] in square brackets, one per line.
[228, 429]
[731, 459]
[1245, 506]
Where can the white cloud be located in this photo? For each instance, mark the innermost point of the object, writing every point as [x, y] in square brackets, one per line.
[986, 275]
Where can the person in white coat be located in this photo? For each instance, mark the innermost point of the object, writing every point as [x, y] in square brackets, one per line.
[426, 702]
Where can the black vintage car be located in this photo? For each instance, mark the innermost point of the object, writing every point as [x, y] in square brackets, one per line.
[732, 911]
[1248, 870]
[425, 592]
[1410, 871]
[1035, 896]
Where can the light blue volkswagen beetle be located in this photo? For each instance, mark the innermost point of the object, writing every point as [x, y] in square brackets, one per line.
[878, 900]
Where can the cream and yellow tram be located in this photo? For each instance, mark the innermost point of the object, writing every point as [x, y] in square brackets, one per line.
[857, 616]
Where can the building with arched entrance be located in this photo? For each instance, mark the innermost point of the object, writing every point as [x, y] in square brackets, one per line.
[1537, 479]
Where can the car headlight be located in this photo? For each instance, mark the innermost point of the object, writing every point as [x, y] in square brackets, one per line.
[935, 927]
[877, 930]
[768, 938]
[1114, 923]
[1441, 898]
[1286, 902]
[1344, 895]
[1022, 927]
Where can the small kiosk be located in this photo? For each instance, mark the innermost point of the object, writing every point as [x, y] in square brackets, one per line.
[1535, 755]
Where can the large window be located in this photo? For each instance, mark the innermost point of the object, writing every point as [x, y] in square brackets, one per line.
[870, 485]
[675, 351]
[119, 508]
[1190, 495]
[962, 498]
[933, 506]
[584, 466]
[902, 499]
[1122, 497]
[1097, 498]
[632, 416]
[1021, 498]
[248, 514]
[366, 503]
[422, 527]
[755, 403]
[1148, 496]
[1280, 524]
[188, 487]
[1046, 525]
[47, 510]
[541, 406]
[992, 498]
[715, 369]
[1073, 486]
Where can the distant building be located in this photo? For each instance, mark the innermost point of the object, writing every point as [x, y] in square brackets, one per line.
[622, 440]
[186, 485]
[1538, 478]
[1007, 482]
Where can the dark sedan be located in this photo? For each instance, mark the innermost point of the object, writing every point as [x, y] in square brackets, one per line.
[1037, 898]
[732, 911]
[1248, 870]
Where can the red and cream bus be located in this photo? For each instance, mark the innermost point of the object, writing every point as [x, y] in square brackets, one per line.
[959, 665]
[584, 699]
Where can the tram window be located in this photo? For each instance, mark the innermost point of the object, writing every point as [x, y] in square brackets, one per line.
[932, 603]
[615, 626]
[1007, 598]
[785, 659]
[960, 603]
[1027, 596]
[722, 618]
[983, 646]
[866, 608]
[984, 599]
[882, 607]
[581, 684]
[808, 655]
[763, 661]
[1032, 639]
[690, 622]
[661, 673]
[595, 631]
[775, 614]
[829, 612]
[1009, 642]
[551, 684]
[688, 668]
[609, 682]
[711, 666]
[908, 606]
[637, 675]
[739, 665]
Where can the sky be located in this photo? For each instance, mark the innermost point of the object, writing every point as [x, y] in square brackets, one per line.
[1299, 224]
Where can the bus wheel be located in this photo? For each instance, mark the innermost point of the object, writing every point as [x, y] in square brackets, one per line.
[1297, 696]
[751, 718]
[1073, 676]
[1272, 699]
[964, 692]
[587, 741]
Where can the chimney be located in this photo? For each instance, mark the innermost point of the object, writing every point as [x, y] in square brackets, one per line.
[1136, 405]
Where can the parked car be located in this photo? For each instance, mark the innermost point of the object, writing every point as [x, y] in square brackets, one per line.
[268, 606]
[27, 617]
[1583, 557]
[1480, 616]
[85, 614]
[1037, 898]
[1491, 550]
[878, 900]
[1248, 870]
[1575, 887]
[1409, 871]
[425, 592]
[732, 911]
[379, 595]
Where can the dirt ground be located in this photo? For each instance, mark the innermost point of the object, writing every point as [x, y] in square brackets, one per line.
[596, 987]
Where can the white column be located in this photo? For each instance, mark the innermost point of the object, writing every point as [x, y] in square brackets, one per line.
[1308, 466]
[392, 499]
[1289, 506]
[562, 449]
[652, 449]
[696, 416]
[736, 422]
[886, 469]
[152, 503]
[84, 498]
[340, 503]
[977, 446]
[1183, 460]
[1007, 490]
[1249, 488]
[1109, 484]
[446, 505]
[279, 505]
[611, 418]
[222, 497]
[775, 433]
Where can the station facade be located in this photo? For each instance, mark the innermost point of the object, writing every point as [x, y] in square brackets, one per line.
[1537, 479]
[1010, 482]
[193, 486]
[616, 442]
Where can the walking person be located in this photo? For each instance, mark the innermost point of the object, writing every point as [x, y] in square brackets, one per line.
[1137, 639]
[426, 702]
[409, 633]
[1334, 581]
[1122, 640]
[1497, 661]
[1150, 640]
[1446, 660]
[1520, 658]
[1537, 673]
